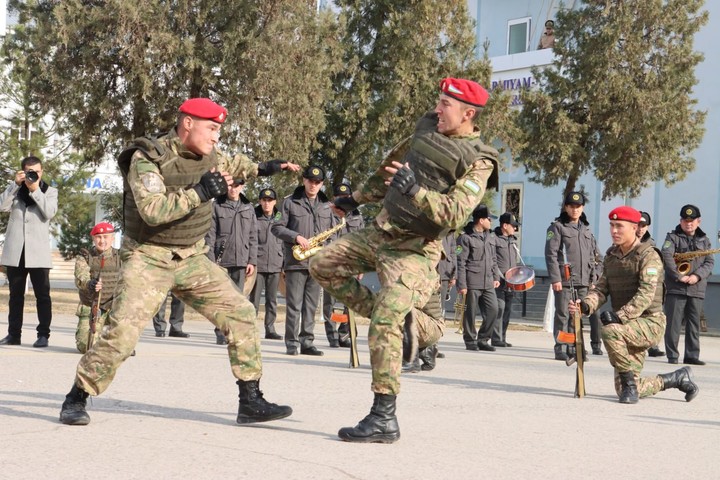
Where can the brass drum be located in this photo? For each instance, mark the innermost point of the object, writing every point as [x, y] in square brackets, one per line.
[520, 278]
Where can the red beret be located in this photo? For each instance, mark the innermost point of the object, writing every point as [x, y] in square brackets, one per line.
[466, 91]
[204, 108]
[625, 213]
[102, 227]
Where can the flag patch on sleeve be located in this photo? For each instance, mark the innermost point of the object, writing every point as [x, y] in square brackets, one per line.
[651, 271]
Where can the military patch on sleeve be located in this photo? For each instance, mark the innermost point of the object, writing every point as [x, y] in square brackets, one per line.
[458, 250]
[152, 182]
[472, 186]
[667, 244]
[550, 235]
[278, 216]
[651, 271]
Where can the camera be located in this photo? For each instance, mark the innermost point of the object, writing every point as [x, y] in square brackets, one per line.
[31, 176]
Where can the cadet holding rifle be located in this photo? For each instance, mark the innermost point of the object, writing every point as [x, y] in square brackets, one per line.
[632, 278]
[96, 275]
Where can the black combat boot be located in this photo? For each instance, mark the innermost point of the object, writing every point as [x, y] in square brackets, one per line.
[412, 366]
[380, 426]
[655, 352]
[596, 348]
[254, 408]
[73, 408]
[629, 392]
[682, 380]
[428, 355]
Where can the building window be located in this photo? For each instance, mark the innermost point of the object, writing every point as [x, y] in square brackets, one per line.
[512, 201]
[518, 35]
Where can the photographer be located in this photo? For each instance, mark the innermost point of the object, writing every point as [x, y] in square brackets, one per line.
[31, 203]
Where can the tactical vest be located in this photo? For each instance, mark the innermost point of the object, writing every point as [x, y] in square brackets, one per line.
[437, 161]
[110, 277]
[624, 281]
[179, 173]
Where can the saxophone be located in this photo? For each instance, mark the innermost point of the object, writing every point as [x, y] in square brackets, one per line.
[316, 242]
[681, 259]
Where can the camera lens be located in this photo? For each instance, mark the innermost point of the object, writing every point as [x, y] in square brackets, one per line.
[31, 176]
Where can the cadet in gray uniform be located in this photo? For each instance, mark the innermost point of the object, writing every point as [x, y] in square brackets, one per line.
[478, 277]
[506, 252]
[644, 236]
[686, 291]
[269, 261]
[569, 240]
[304, 214]
[232, 238]
[337, 335]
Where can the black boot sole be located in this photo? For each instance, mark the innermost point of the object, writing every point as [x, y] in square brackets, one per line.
[346, 436]
[245, 419]
[73, 418]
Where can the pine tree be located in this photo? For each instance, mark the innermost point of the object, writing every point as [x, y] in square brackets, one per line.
[394, 55]
[618, 99]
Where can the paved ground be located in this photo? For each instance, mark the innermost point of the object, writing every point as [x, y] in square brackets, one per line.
[170, 414]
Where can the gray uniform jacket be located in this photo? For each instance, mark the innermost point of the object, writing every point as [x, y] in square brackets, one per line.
[270, 248]
[679, 242]
[28, 226]
[298, 217]
[577, 242]
[353, 222]
[233, 233]
[447, 267]
[505, 250]
[476, 266]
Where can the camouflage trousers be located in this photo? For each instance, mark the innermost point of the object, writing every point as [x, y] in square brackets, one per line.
[406, 269]
[627, 345]
[147, 274]
[83, 327]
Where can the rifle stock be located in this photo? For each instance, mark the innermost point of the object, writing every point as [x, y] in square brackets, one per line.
[95, 309]
[578, 340]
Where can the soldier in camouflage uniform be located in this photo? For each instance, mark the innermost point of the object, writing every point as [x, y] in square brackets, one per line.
[168, 184]
[435, 179]
[96, 273]
[632, 278]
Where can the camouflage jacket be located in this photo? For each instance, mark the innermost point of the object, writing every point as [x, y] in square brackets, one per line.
[633, 281]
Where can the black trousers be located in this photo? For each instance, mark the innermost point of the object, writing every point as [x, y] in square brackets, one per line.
[487, 301]
[40, 279]
[177, 315]
[676, 308]
[268, 282]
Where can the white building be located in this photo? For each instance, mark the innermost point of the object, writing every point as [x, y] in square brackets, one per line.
[513, 29]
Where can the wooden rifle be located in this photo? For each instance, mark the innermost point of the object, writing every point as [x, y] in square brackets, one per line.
[95, 311]
[575, 339]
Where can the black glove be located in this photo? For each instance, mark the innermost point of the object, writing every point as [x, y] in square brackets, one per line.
[212, 185]
[347, 203]
[404, 180]
[609, 317]
[92, 284]
[265, 169]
